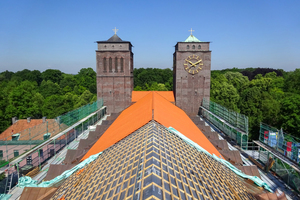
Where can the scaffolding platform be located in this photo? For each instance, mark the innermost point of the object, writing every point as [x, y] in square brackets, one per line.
[278, 155]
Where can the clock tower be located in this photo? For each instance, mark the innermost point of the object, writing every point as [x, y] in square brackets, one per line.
[191, 74]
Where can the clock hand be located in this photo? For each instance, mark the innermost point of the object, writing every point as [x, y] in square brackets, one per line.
[196, 63]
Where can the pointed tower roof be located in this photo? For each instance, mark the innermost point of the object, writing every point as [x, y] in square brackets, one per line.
[115, 38]
[192, 38]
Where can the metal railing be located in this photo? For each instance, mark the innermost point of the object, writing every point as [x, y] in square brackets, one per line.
[235, 119]
[29, 138]
[231, 128]
[38, 155]
[285, 144]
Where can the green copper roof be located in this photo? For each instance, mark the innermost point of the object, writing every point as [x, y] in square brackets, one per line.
[192, 38]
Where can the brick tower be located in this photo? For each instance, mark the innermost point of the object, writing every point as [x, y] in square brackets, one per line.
[114, 73]
[191, 74]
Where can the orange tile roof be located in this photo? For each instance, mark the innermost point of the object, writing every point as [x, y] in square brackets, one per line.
[151, 106]
[33, 130]
[131, 119]
[137, 95]
[168, 115]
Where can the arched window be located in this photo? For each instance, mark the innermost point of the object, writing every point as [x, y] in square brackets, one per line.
[193, 47]
[104, 65]
[187, 46]
[199, 46]
[116, 64]
[122, 64]
[110, 64]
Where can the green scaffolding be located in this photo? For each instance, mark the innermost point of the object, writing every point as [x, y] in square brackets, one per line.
[38, 134]
[233, 124]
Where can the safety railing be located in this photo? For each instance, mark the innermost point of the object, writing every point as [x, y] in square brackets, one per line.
[37, 156]
[218, 116]
[234, 118]
[19, 143]
[284, 143]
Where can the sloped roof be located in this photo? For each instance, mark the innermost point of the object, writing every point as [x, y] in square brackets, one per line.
[151, 106]
[128, 121]
[35, 127]
[115, 38]
[192, 38]
[168, 115]
[153, 163]
[137, 95]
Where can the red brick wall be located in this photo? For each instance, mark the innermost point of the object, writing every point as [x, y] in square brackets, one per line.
[115, 87]
[190, 89]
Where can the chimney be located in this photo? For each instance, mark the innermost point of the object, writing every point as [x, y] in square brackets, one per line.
[44, 119]
[28, 119]
[14, 120]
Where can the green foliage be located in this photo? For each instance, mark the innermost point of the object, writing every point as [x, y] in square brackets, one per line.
[50, 93]
[266, 98]
[153, 79]
[53, 75]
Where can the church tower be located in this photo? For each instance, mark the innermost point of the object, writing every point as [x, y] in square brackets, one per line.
[115, 73]
[191, 74]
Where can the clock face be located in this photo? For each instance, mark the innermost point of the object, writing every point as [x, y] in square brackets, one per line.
[193, 64]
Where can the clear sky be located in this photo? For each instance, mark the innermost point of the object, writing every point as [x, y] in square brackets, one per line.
[56, 34]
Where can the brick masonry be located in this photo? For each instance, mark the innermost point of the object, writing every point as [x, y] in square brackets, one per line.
[115, 75]
[189, 90]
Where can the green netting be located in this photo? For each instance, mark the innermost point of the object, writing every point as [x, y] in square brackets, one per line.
[235, 119]
[31, 137]
[255, 179]
[240, 138]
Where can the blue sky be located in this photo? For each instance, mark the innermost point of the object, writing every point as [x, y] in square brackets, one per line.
[57, 34]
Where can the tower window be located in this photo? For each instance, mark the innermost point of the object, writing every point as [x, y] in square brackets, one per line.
[122, 64]
[1, 154]
[193, 47]
[199, 46]
[104, 65]
[116, 64]
[187, 46]
[110, 64]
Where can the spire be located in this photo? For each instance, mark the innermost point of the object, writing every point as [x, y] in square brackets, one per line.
[192, 38]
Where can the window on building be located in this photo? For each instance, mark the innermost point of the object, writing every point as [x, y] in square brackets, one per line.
[29, 160]
[193, 47]
[116, 64]
[15, 137]
[188, 46]
[122, 64]
[41, 153]
[104, 65]
[16, 153]
[110, 64]
[199, 46]
[1, 154]
[47, 136]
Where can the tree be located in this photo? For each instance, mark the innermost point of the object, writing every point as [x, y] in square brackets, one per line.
[20, 101]
[224, 93]
[84, 99]
[290, 114]
[87, 79]
[54, 106]
[292, 83]
[53, 75]
[49, 88]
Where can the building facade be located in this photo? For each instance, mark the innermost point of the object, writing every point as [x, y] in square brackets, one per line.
[191, 74]
[114, 73]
